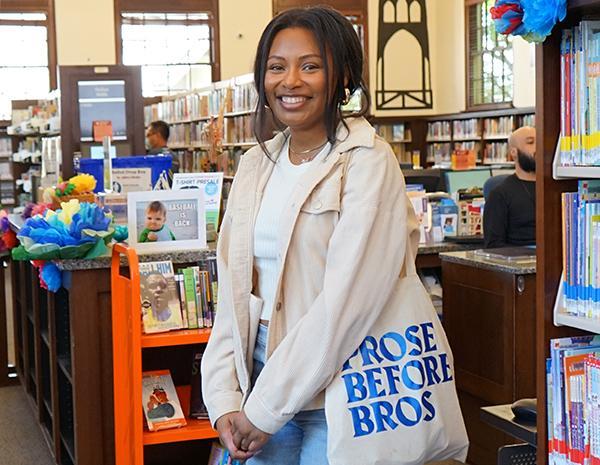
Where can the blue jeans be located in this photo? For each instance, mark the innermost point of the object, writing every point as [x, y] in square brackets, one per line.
[302, 440]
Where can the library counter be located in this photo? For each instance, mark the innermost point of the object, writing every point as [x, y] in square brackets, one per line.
[469, 258]
[489, 318]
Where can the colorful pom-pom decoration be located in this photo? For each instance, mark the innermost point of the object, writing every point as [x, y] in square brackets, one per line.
[531, 19]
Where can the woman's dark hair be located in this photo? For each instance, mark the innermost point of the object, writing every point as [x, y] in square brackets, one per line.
[336, 37]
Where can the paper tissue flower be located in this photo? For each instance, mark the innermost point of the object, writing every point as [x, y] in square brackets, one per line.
[83, 183]
[531, 19]
[8, 239]
[78, 230]
[49, 274]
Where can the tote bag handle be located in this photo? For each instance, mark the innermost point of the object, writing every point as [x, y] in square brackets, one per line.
[412, 241]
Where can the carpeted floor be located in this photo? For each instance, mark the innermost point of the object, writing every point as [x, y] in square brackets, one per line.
[21, 440]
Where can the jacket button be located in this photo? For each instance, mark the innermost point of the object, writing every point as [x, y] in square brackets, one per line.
[317, 204]
[278, 306]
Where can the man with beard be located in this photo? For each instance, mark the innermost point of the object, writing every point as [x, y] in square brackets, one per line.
[509, 213]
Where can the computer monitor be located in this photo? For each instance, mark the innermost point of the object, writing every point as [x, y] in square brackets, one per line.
[456, 180]
[430, 179]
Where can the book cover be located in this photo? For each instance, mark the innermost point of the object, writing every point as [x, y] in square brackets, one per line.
[160, 402]
[161, 308]
[190, 297]
[198, 409]
[220, 456]
[182, 301]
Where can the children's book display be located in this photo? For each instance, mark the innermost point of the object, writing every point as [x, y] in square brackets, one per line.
[160, 402]
[581, 251]
[186, 299]
[573, 400]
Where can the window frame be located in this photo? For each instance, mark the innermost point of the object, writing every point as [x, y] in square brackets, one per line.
[36, 6]
[181, 6]
[468, 105]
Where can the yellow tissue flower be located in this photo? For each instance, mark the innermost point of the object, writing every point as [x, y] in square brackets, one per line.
[69, 209]
[83, 183]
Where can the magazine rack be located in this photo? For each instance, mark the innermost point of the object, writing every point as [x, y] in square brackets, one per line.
[131, 435]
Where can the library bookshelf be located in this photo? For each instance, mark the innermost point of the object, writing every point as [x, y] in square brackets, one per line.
[129, 347]
[548, 208]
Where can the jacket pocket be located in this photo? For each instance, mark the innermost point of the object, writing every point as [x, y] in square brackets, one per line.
[323, 201]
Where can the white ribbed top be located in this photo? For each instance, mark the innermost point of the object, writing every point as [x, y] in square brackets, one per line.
[267, 246]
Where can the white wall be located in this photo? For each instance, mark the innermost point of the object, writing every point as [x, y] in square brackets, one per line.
[241, 23]
[523, 73]
[85, 32]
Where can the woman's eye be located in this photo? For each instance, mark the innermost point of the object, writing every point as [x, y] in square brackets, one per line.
[275, 68]
[311, 67]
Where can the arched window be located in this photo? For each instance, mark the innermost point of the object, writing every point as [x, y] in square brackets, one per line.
[415, 12]
[389, 12]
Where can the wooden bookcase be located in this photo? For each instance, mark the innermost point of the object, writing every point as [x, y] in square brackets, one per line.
[132, 353]
[43, 355]
[548, 208]
[480, 138]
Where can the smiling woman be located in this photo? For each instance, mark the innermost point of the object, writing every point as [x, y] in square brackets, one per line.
[306, 219]
[301, 82]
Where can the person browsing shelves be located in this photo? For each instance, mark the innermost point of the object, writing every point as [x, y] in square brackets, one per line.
[509, 213]
[312, 215]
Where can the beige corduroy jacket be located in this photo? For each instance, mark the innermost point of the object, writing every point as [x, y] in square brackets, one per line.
[343, 238]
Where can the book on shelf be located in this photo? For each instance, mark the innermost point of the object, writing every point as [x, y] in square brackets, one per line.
[183, 300]
[198, 408]
[579, 142]
[161, 307]
[160, 402]
[220, 456]
[573, 393]
[581, 251]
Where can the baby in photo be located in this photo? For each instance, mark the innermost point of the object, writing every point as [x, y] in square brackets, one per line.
[155, 228]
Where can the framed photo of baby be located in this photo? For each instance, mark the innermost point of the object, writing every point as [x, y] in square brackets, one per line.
[166, 220]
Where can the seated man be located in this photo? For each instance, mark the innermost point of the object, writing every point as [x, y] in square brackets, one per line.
[157, 136]
[509, 213]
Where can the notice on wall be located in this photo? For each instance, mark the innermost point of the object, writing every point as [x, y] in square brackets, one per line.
[211, 184]
[126, 180]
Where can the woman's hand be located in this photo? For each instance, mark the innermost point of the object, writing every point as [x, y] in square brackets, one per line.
[224, 428]
[246, 436]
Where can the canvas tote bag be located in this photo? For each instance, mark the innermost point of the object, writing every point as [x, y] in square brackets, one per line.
[394, 401]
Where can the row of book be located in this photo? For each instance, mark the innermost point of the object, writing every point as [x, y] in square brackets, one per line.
[203, 104]
[573, 400]
[496, 152]
[466, 128]
[183, 300]
[581, 250]
[438, 130]
[580, 95]
[394, 132]
[500, 126]
[160, 399]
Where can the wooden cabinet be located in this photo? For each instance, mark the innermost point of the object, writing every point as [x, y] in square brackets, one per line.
[489, 318]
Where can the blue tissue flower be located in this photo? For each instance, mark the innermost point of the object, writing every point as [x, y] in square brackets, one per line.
[531, 19]
[52, 276]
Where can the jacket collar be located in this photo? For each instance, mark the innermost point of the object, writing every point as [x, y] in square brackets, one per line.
[358, 134]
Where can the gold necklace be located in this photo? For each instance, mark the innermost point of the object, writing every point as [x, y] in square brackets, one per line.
[304, 152]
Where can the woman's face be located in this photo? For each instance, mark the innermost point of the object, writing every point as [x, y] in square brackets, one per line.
[295, 82]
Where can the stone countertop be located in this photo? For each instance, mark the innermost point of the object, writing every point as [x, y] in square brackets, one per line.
[470, 259]
[438, 247]
[177, 257]
[185, 256]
